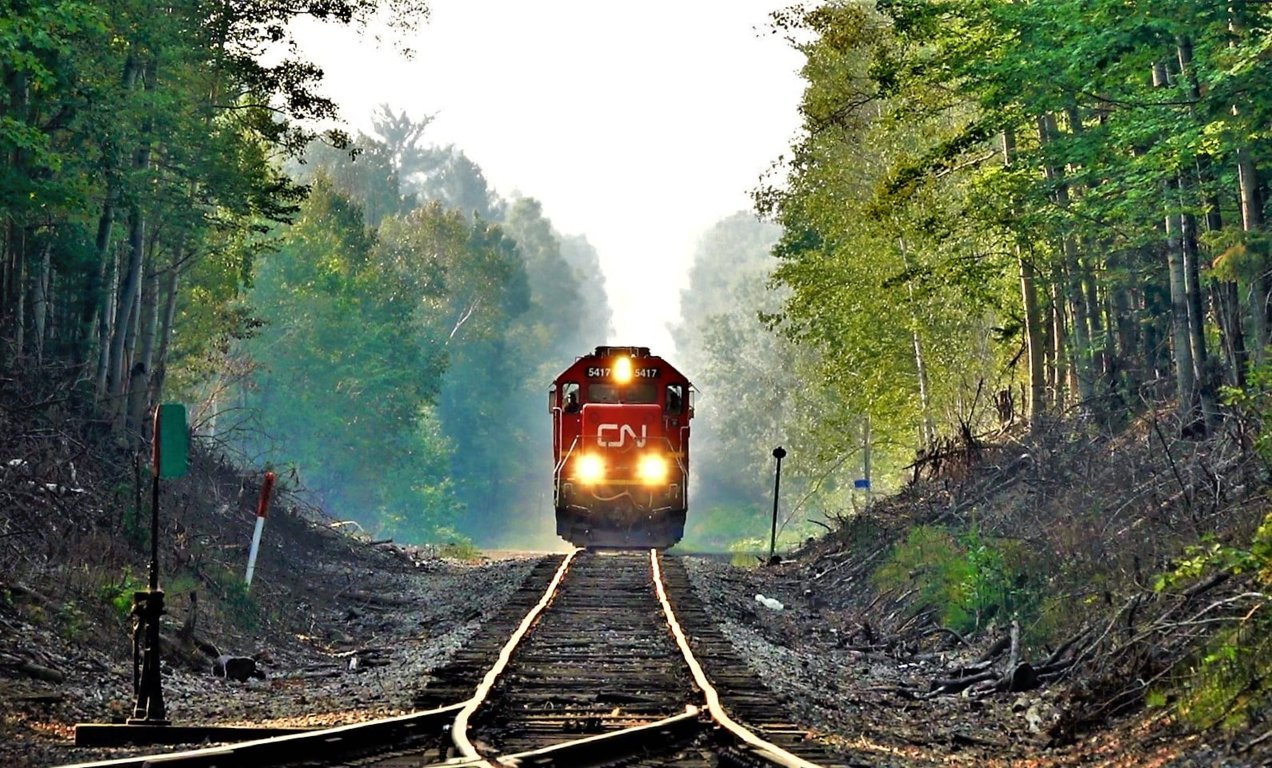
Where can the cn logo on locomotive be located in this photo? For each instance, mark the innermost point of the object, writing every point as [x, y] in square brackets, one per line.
[604, 435]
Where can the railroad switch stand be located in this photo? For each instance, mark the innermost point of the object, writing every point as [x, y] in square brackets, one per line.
[147, 683]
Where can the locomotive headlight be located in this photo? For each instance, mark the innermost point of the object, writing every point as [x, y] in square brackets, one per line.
[589, 469]
[623, 370]
[652, 469]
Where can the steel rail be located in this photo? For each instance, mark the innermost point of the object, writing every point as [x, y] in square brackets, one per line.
[599, 747]
[300, 746]
[764, 749]
[459, 731]
[327, 742]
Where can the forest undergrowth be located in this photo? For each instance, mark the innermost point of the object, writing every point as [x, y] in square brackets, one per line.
[75, 543]
[1128, 567]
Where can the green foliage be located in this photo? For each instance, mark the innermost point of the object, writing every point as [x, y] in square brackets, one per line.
[71, 622]
[758, 390]
[1253, 405]
[714, 527]
[119, 593]
[952, 146]
[1226, 685]
[233, 592]
[399, 365]
[182, 583]
[113, 115]
[1210, 556]
[137, 528]
[969, 579]
[349, 362]
[457, 546]
[735, 528]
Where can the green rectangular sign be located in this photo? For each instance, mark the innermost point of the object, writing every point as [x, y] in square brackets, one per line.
[172, 440]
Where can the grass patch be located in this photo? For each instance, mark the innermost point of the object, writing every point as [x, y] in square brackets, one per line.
[457, 546]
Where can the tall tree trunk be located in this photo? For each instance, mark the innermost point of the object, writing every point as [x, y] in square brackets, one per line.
[1059, 375]
[928, 424]
[130, 277]
[1090, 293]
[19, 310]
[1181, 346]
[165, 331]
[1034, 338]
[8, 274]
[14, 283]
[1252, 222]
[1195, 290]
[1125, 312]
[1181, 343]
[1154, 297]
[96, 294]
[1226, 295]
[1071, 271]
[1251, 209]
[125, 311]
[40, 300]
[1194, 298]
[106, 322]
[1037, 384]
[139, 383]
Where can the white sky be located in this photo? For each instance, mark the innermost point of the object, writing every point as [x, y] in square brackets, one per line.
[637, 125]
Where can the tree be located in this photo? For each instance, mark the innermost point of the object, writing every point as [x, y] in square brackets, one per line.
[134, 142]
[349, 367]
[1013, 134]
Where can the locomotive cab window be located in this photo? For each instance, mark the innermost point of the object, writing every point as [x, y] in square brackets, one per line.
[675, 398]
[570, 397]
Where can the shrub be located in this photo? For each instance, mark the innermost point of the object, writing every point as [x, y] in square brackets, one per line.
[457, 546]
[969, 579]
[233, 592]
[1253, 409]
[1226, 685]
[119, 594]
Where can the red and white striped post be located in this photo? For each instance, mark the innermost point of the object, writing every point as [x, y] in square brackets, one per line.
[262, 509]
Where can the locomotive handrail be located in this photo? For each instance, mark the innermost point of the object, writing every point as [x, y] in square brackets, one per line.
[561, 464]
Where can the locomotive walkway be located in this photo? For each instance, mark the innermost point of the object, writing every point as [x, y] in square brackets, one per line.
[601, 658]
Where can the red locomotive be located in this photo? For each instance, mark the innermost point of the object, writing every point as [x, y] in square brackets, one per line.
[620, 438]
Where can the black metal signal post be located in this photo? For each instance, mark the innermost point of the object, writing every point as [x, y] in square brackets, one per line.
[146, 610]
[779, 453]
[170, 438]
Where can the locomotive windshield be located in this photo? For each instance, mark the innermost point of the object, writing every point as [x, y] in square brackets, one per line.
[632, 393]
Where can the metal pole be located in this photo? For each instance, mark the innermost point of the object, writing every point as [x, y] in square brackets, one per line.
[866, 462]
[147, 609]
[779, 453]
[154, 532]
[262, 509]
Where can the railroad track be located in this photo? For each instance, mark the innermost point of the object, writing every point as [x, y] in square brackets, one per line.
[611, 661]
